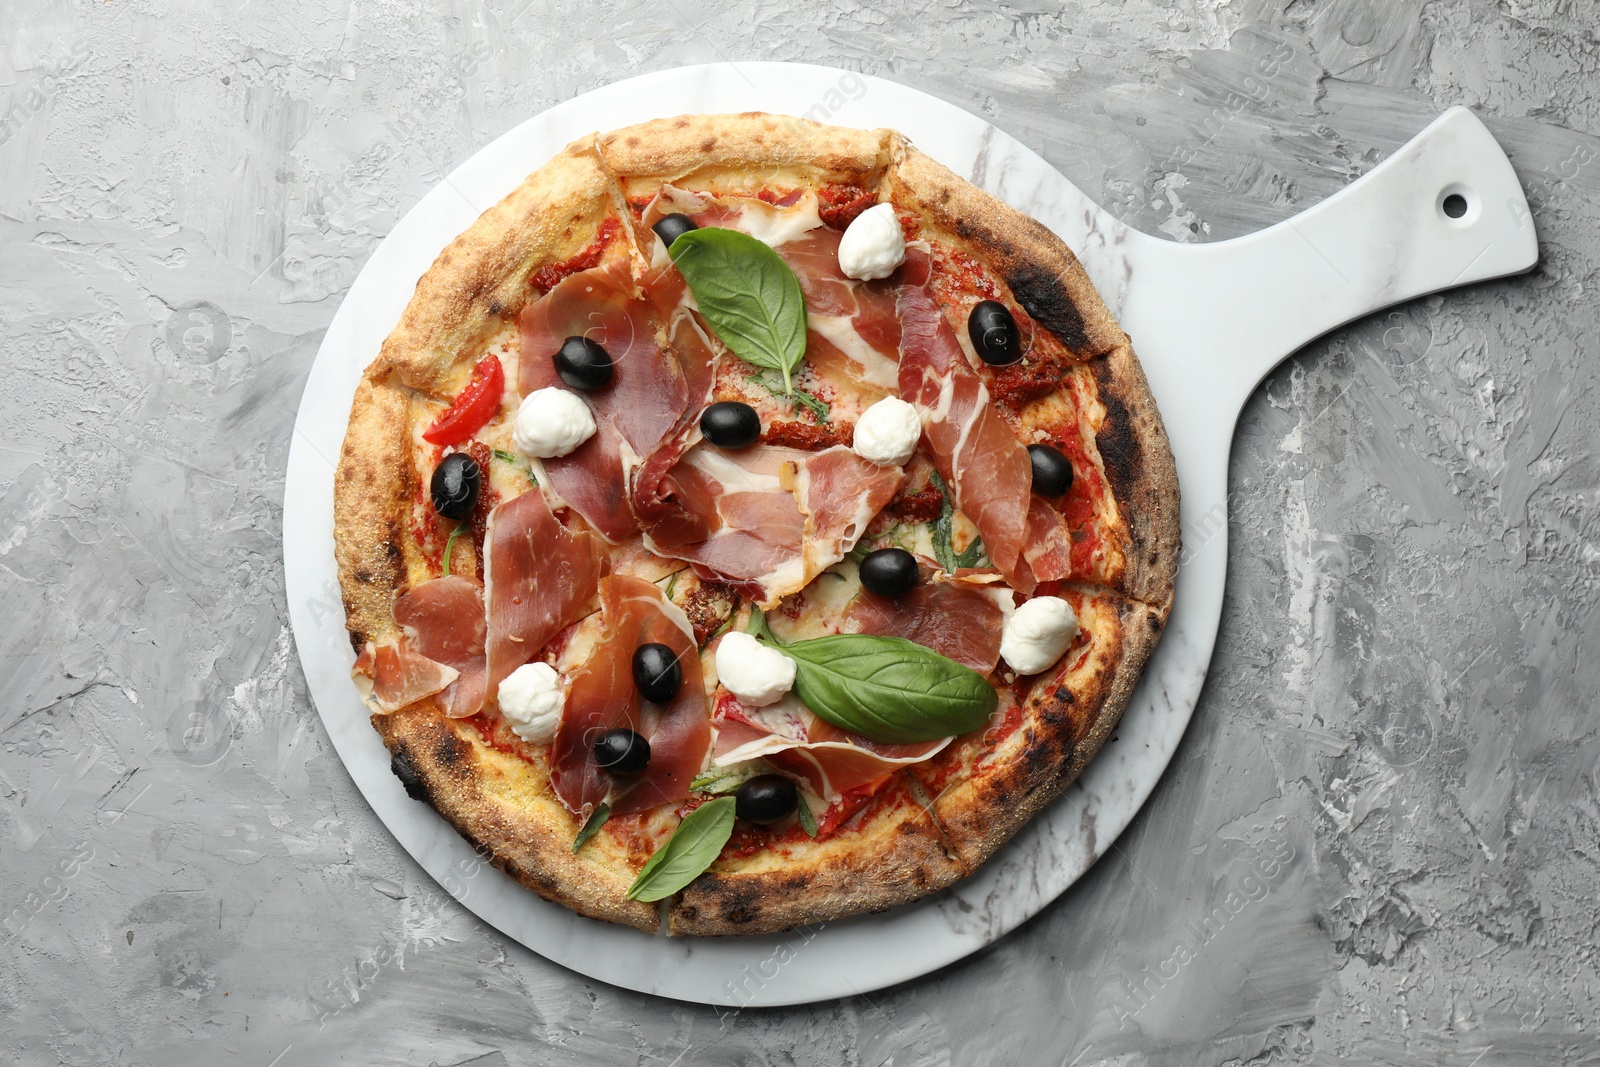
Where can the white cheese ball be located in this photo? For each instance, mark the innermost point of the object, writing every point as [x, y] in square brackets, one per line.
[887, 432]
[753, 672]
[531, 701]
[1037, 633]
[873, 245]
[551, 423]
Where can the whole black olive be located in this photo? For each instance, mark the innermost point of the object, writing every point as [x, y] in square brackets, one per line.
[1052, 470]
[455, 485]
[889, 572]
[766, 798]
[583, 364]
[994, 333]
[671, 227]
[730, 424]
[621, 751]
[657, 673]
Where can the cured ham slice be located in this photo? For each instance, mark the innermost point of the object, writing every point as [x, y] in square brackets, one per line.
[446, 622]
[969, 441]
[788, 736]
[959, 618]
[644, 404]
[1048, 548]
[602, 696]
[539, 578]
[392, 675]
[770, 519]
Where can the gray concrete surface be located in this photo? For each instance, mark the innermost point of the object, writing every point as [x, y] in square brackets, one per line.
[1392, 768]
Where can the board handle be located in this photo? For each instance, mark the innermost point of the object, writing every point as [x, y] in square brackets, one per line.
[1444, 210]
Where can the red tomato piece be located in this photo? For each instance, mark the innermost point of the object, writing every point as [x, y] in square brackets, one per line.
[475, 406]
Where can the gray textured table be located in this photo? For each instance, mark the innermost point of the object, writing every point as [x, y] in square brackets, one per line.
[1389, 787]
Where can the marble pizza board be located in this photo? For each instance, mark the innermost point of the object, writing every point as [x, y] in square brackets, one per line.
[1208, 321]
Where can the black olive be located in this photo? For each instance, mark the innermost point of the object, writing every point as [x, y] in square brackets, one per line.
[621, 751]
[1052, 471]
[766, 798]
[889, 572]
[583, 364]
[657, 673]
[994, 333]
[455, 485]
[671, 227]
[731, 424]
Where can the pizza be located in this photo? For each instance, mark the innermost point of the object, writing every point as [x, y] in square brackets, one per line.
[750, 523]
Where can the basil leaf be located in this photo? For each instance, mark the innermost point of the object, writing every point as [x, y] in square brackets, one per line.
[693, 846]
[757, 627]
[808, 818]
[943, 550]
[591, 825]
[889, 689]
[747, 294]
[974, 555]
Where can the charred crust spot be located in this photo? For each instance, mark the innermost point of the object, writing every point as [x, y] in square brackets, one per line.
[632, 141]
[405, 768]
[449, 751]
[496, 308]
[1118, 444]
[678, 124]
[1042, 295]
[708, 144]
[363, 576]
[358, 638]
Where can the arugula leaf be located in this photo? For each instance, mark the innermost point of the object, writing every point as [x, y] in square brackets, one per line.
[448, 545]
[516, 461]
[888, 688]
[974, 555]
[798, 398]
[749, 296]
[860, 552]
[943, 550]
[672, 584]
[591, 826]
[808, 818]
[693, 846]
[719, 780]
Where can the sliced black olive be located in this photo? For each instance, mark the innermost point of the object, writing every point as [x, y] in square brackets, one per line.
[766, 798]
[1052, 471]
[583, 364]
[621, 751]
[657, 673]
[730, 424]
[994, 333]
[671, 227]
[455, 485]
[889, 572]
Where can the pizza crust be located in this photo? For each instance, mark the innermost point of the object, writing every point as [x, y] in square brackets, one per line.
[897, 855]
[372, 492]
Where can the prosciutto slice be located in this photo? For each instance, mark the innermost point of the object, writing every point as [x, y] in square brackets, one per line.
[1048, 549]
[602, 696]
[393, 674]
[985, 465]
[788, 736]
[539, 578]
[770, 519]
[959, 618]
[643, 405]
[445, 619]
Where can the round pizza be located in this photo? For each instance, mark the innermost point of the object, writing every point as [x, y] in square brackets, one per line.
[750, 523]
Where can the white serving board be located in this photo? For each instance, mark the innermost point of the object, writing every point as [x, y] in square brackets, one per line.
[1208, 322]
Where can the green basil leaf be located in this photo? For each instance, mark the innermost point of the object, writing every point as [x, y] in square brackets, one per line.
[591, 825]
[889, 689]
[943, 550]
[973, 556]
[693, 846]
[748, 295]
[757, 627]
[808, 818]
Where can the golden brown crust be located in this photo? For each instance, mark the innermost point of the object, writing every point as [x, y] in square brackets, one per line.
[894, 856]
[372, 493]
[503, 804]
[743, 153]
[1044, 277]
[1062, 729]
[1137, 459]
[483, 277]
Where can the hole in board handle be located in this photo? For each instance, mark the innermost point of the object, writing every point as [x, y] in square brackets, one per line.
[1455, 205]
